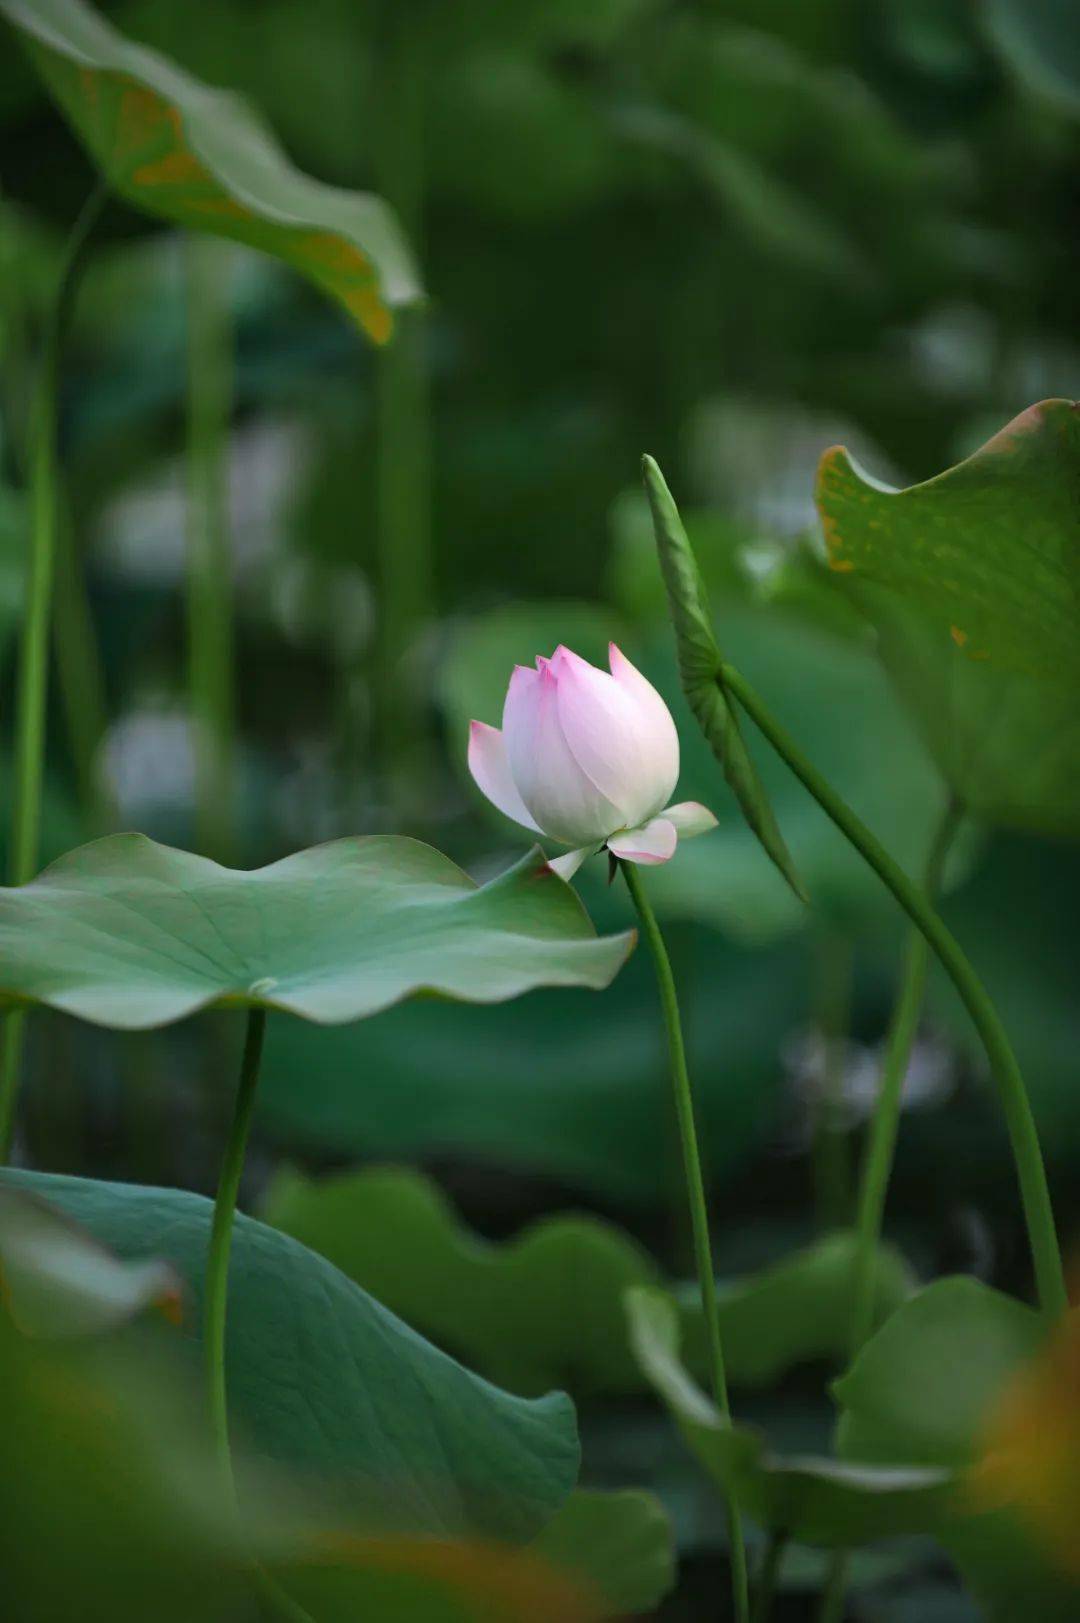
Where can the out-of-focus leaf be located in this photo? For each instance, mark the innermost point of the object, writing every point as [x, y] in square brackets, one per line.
[56, 1280]
[973, 581]
[325, 1380]
[818, 1501]
[1039, 41]
[547, 1306]
[921, 1389]
[495, 1085]
[128, 933]
[699, 670]
[932, 1388]
[618, 1544]
[201, 157]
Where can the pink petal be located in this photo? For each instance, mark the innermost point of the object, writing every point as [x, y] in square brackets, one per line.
[566, 867]
[491, 769]
[654, 723]
[600, 723]
[690, 817]
[561, 797]
[653, 844]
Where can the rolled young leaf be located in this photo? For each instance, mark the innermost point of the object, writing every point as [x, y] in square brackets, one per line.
[203, 158]
[699, 670]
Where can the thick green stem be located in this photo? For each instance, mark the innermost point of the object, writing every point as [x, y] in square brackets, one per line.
[33, 675]
[210, 620]
[403, 476]
[217, 1263]
[881, 1146]
[695, 1189]
[1027, 1155]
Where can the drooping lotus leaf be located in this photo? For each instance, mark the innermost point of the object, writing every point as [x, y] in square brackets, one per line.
[816, 1500]
[973, 582]
[203, 158]
[128, 933]
[545, 1308]
[325, 1382]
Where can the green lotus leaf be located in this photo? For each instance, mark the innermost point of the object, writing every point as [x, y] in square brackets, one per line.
[546, 1307]
[324, 1381]
[203, 158]
[125, 932]
[818, 1501]
[973, 582]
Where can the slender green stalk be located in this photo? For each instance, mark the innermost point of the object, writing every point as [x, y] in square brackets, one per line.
[830, 1149]
[881, 1144]
[33, 675]
[695, 1189]
[81, 680]
[210, 621]
[881, 1147]
[217, 1263]
[216, 1295]
[1027, 1155]
[403, 456]
[765, 1593]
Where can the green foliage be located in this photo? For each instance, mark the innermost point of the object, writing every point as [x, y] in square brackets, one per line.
[699, 670]
[972, 580]
[619, 1543]
[819, 1501]
[325, 1381]
[497, 1084]
[202, 158]
[1038, 40]
[57, 1281]
[129, 933]
[546, 1308]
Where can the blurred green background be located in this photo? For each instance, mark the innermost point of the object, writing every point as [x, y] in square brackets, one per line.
[731, 235]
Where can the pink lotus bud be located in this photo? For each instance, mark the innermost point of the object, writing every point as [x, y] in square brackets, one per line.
[586, 758]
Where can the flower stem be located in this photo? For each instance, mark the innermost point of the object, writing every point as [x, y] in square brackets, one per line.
[217, 1262]
[881, 1146]
[695, 1189]
[33, 677]
[1027, 1155]
[215, 1299]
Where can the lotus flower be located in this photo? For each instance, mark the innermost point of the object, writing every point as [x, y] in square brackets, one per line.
[588, 759]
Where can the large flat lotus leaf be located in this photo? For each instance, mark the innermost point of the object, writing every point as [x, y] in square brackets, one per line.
[818, 1501]
[973, 580]
[494, 1084]
[128, 933]
[201, 157]
[326, 1381]
[116, 1483]
[546, 1307]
